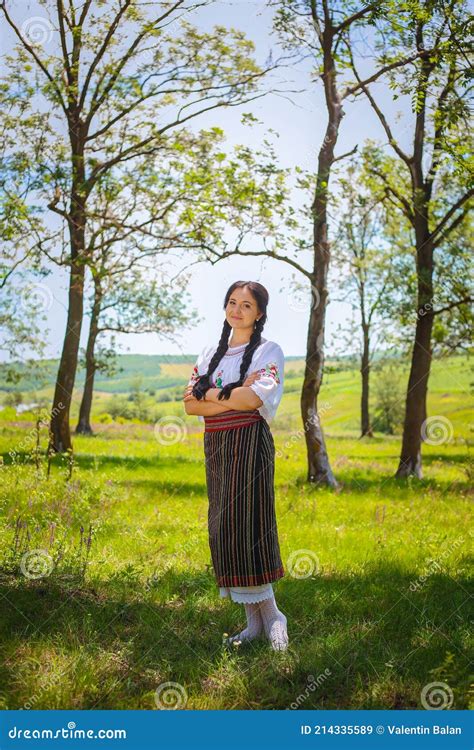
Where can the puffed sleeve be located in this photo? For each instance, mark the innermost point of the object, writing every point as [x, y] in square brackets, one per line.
[200, 368]
[270, 362]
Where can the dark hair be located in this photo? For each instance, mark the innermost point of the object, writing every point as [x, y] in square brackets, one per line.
[202, 385]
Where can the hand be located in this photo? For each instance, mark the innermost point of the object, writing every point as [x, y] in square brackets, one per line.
[251, 378]
[188, 396]
[212, 394]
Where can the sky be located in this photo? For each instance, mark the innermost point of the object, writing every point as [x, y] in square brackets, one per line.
[300, 120]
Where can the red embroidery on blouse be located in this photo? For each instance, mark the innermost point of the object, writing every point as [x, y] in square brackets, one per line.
[194, 375]
[272, 370]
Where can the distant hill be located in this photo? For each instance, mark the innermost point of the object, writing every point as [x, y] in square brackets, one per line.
[148, 371]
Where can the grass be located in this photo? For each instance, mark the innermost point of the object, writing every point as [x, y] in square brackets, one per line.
[378, 601]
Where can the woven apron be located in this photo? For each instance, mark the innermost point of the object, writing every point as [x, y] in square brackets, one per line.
[240, 465]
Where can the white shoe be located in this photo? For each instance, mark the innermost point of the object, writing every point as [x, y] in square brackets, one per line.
[278, 634]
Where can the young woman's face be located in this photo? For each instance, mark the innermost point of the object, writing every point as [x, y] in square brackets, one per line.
[242, 310]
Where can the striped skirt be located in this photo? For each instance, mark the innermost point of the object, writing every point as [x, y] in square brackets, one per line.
[240, 464]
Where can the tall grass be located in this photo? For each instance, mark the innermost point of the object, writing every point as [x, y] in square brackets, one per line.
[107, 589]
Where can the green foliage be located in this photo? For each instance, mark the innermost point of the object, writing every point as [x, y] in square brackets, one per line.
[135, 407]
[389, 402]
[48, 524]
[104, 418]
[14, 398]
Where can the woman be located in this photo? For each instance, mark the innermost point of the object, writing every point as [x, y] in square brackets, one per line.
[236, 407]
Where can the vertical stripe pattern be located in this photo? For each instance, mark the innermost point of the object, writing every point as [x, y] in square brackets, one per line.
[240, 464]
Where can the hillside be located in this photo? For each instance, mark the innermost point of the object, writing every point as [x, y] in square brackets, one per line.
[151, 387]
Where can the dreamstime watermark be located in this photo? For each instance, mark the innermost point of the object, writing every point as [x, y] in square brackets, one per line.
[314, 419]
[170, 696]
[437, 696]
[313, 684]
[36, 297]
[36, 563]
[49, 683]
[170, 430]
[427, 308]
[297, 304]
[434, 566]
[37, 31]
[302, 563]
[69, 732]
[154, 579]
[436, 430]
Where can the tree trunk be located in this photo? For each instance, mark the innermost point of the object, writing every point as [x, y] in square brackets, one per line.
[415, 405]
[319, 469]
[60, 435]
[84, 425]
[60, 432]
[365, 426]
[417, 389]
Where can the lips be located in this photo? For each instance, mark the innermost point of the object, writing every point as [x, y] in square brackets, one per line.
[234, 318]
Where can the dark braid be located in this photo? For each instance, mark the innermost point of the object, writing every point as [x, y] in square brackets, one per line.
[203, 383]
[255, 340]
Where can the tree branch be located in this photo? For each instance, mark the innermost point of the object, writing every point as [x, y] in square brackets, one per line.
[267, 253]
[448, 215]
[355, 17]
[132, 150]
[39, 62]
[406, 208]
[363, 85]
[344, 156]
[457, 303]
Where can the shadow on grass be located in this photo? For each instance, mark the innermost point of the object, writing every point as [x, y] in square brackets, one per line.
[380, 635]
[427, 459]
[87, 461]
[352, 482]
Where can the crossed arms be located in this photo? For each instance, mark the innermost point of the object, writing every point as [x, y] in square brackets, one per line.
[242, 398]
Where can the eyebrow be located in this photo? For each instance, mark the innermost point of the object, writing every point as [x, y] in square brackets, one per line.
[232, 299]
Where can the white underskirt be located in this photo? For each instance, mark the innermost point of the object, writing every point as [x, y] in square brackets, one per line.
[247, 594]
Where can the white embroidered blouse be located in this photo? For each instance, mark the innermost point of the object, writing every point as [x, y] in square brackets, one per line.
[268, 359]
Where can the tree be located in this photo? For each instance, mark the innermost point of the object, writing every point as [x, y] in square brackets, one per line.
[137, 303]
[320, 30]
[365, 264]
[438, 84]
[23, 298]
[452, 313]
[139, 222]
[388, 415]
[117, 84]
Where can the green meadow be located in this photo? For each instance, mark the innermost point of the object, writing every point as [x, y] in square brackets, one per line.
[107, 591]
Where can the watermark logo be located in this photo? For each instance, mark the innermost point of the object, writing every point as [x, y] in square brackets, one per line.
[437, 696]
[303, 304]
[436, 430]
[313, 683]
[36, 297]
[170, 696]
[302, 563]
[37, 31]
[169, 430]
[36, 563]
